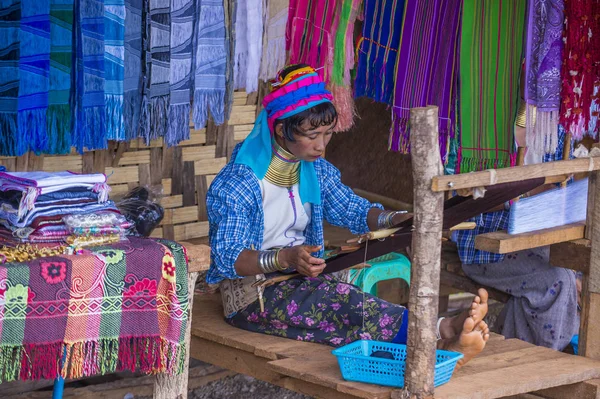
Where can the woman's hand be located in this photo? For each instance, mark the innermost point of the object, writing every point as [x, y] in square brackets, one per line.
[300, 258]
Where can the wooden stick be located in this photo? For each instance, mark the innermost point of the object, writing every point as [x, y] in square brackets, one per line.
[554, 172]
[380, 234]
[426, 254]
[176, 386]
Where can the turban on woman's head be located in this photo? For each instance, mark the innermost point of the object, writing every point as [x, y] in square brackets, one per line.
[296, 89]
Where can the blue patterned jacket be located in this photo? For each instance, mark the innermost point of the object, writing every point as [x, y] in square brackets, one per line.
[236, 219]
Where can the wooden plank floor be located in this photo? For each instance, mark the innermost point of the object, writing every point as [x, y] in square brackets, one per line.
[506, 367]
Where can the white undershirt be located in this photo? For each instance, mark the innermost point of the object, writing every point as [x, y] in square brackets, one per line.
[281, 230]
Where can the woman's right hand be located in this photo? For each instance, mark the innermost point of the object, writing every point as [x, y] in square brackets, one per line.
[300, 258]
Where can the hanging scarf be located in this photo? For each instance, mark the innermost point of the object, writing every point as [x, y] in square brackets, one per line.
[425, 68]
[296, 93]
[542, 74]
[211, 60]
[182, 29]
[248, 44]
[309, 35]
[132, 79]
[580, 70]
[378, 49]
[9, 79]
[273, 54]
[114, 63]
[61, 52]
[343, 63]
[34, 69]
[160, 33]
[89, 130]
[490, 62]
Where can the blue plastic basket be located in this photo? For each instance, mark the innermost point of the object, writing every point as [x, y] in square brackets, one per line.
[356, 363]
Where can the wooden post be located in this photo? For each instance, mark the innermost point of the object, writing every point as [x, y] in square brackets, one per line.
[176, 387]
[589, 336]
[426, 253]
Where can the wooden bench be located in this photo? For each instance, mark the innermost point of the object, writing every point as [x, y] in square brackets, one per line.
[506, 367]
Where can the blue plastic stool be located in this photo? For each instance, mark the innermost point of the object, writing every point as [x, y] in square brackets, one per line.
[386, 267]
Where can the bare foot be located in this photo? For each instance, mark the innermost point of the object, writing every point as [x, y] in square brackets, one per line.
[470, 342]
[452, 326]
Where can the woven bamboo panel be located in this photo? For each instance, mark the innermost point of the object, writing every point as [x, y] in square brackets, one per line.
[181, 174]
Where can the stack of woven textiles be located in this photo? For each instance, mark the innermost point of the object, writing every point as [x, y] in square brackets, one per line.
[44, 207]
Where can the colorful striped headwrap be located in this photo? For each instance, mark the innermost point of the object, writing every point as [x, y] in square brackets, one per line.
[293, 93]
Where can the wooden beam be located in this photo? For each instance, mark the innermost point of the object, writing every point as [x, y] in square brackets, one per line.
[572, 255]
[247, 363]
[582, 390]
[554, 172]
[426, 250]
[500, 242]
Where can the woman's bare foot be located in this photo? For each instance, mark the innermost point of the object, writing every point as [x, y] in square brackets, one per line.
[452, 326]
[470, 342]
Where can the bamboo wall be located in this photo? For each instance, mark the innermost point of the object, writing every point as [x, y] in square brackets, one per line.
[183, 173]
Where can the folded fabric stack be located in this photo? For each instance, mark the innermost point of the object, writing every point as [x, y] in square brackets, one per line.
[44, 207]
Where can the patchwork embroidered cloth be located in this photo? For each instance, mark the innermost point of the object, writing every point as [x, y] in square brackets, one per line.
[117, 307]
[580, 71]
[542, 72]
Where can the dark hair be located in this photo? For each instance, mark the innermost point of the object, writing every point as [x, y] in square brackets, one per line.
[323, 114]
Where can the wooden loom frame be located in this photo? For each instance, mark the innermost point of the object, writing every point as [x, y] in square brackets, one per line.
[424, 289]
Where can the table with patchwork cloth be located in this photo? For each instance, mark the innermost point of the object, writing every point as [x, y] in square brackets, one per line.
[122, 306]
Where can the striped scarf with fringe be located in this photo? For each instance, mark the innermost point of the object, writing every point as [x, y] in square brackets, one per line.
[114, 64]
[343, 63]
[273, 53]
[490, 62]
[378, 49]
[182, 29]
[132, 78]
[309, 35]
[10, 20]
[248, 44]
[155, 103]
[211, 64]
[426, 68]
[61, 52]
[34, 71]
[89, 114]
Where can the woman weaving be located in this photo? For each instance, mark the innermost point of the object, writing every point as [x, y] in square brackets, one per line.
[266, 211]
